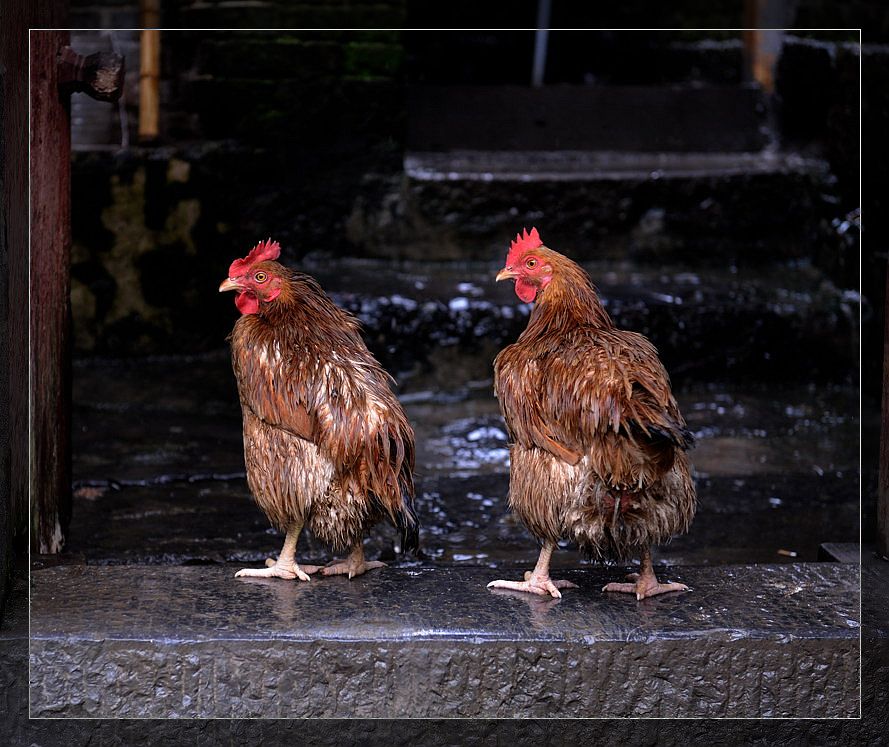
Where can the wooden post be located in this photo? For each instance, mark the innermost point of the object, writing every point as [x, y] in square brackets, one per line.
[16, 17]
[883, 492]
[56, 71]
[50, 380]
[149, 71]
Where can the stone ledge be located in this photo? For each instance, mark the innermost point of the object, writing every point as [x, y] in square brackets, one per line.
[145, 642]
[571, 166]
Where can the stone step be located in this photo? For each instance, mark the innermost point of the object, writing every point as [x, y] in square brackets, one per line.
[840, 552]
[608, 165]
[747, 641]
[715, 209]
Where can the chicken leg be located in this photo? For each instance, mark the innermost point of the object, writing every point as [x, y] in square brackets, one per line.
[286, 565]
[538, 580]
[644, 584]
[354, 565]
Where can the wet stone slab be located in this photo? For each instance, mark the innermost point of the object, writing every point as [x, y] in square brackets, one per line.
[137, 641]
[159, 470]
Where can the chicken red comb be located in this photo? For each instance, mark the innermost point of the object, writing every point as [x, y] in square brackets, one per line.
[523, 242]
[264, 250]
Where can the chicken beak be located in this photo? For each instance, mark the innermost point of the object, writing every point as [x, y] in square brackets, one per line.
[228, 285]
[505, 274]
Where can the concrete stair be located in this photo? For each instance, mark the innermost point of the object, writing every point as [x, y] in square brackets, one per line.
[748, 641]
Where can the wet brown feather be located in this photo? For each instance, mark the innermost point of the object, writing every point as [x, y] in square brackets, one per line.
[597, 440]
[326, 441]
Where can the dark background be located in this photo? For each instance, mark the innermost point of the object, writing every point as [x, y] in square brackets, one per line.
[251, 145]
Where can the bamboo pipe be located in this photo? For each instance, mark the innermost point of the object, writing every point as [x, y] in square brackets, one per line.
[149, 70]
[763, 38]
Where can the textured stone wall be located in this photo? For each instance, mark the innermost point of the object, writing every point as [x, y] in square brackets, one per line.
[433, 680]
[263, 133]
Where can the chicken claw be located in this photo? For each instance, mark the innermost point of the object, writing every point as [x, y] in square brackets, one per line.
[644, 584]
[538, 580]
[541, 585]
[352, 566]
[642, 591]
[288, 571]
[285, 566]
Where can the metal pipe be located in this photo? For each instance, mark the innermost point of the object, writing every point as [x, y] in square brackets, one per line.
[122, 117]
[541, 39]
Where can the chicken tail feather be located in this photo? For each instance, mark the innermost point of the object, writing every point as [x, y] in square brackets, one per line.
[408, 525]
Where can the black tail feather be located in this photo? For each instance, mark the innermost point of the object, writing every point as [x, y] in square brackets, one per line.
[405, 520]
[408, 525]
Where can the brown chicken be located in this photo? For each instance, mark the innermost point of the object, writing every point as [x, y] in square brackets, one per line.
[597, 441]
[326, 443]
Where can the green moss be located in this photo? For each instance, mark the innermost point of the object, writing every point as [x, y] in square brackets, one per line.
[276, 57]
[365, 60]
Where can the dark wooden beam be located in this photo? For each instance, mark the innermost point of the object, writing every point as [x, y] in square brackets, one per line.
[57, 71]
[50, 295]
[16, 17]
[6, 523]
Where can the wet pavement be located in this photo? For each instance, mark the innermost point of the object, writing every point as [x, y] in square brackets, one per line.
[159, 470]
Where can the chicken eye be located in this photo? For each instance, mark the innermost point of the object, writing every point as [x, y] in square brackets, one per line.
[531, 263]
[260, 277]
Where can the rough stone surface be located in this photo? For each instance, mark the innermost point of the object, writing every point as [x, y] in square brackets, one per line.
[153, 642]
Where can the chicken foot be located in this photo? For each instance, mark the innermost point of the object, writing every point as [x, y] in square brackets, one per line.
[285, 566]
[645, 583]
[352, 566]
[538, 580]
